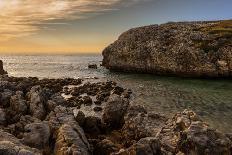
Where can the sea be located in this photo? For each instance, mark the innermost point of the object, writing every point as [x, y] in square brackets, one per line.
[210, 99]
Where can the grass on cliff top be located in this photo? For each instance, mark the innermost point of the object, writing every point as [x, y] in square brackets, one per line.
[220, 32]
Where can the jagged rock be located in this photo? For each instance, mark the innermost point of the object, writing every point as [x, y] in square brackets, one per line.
[195, 49]
[37, 135]
[5, 97]
[145, 146]
[61, 115]
[2, 117]
[200, 139]
[18, 103]
[2, 71]
[71, 140]
[140, 124]
[37, 100]
[10, 145]
[79, 117]
[114, 111]
[92, 125]
[169, 134]
[105, 147]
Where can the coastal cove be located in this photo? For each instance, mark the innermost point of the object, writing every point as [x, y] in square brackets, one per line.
[210, 99]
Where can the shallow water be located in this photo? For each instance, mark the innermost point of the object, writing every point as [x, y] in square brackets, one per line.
[211, 99]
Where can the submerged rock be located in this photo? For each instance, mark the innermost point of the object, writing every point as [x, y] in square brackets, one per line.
[194, 49]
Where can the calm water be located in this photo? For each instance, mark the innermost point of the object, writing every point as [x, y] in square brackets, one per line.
[211, 99]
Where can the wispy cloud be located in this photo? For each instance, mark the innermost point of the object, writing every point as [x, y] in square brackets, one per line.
[25, 17]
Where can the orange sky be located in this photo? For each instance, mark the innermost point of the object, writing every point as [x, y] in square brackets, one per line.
[88, 26]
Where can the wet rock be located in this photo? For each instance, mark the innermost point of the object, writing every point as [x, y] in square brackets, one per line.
[18, 103]
[10, 145]
[2, 71]
[140, 124]
[117, 90]
[97, 109]
[37, 100]
[200, 139]
[114, 111]
[105, 147]
[86, 100]
[92, 66]
[71, 140]
[37, 135]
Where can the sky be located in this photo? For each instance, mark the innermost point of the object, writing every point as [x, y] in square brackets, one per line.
[88, 26]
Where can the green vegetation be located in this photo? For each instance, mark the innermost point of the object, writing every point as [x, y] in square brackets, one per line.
[220, 33]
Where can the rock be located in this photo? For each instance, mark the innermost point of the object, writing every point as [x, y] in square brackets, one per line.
[2, 117]
[192, 49]
[92, 66]
[37, 135]
[86, 100]
[92, 125]
[79, 117]
[2, 71]
[71, 140]
[105, 147]
[10, 145]
[169, 133]
[61, 115]
[18, 103]
[97, 109]
[114, 111]
[145, 146]
[140, 124]
[5, 97]
[200, 139]
[37, 100]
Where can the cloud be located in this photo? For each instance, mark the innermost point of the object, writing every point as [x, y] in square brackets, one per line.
[24, 17]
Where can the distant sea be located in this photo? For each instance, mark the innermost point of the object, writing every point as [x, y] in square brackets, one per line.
[211, 99]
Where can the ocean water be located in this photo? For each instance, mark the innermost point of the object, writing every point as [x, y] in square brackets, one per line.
[211, 99]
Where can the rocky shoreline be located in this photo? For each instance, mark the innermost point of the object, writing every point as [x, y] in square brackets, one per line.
[186, 49]
[74, 116]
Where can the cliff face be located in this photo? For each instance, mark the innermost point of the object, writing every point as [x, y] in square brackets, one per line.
[195, 49]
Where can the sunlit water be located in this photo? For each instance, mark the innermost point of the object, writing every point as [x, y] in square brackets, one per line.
[211, 99]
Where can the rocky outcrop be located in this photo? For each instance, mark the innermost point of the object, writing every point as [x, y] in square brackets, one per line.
[95, 118]
[2, 71]
[193, 49]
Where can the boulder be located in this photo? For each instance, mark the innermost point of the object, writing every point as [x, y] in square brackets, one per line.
[5, 97]
[71, 140]
[37, 101]
[192, 49]
[37, 135]
[200, 139]
[140, 124]
[2, 71]
[18, 103]
[10, 145]
[114, 111]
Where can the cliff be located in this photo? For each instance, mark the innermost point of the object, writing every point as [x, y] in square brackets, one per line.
[192, 49]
